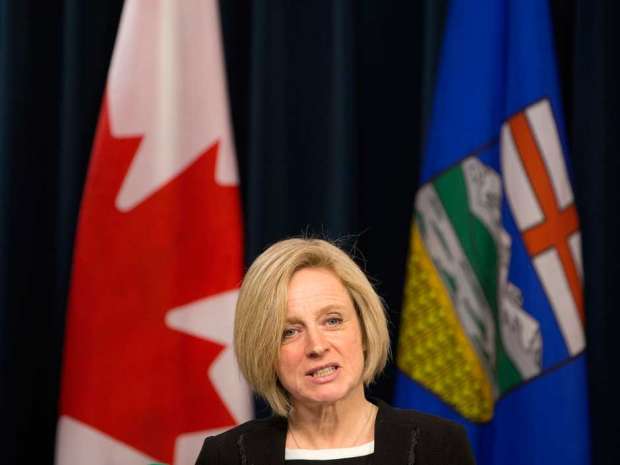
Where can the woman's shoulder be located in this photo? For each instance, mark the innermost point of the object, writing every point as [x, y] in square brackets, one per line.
[431, 438]
[227, 446]
[258, 425]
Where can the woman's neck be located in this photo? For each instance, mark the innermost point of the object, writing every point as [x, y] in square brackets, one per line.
[346, 423]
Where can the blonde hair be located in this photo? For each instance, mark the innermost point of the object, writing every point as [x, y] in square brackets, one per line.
[261, 313]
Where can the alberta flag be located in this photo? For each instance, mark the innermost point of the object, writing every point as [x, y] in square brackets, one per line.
[492, 329]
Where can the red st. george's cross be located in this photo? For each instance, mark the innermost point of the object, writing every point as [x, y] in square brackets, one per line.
[558, 224]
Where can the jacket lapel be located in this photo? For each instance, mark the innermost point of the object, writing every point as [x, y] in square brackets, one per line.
[395, 439]
[264, 445]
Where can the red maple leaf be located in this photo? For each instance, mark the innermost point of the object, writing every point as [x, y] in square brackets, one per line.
[126, 373]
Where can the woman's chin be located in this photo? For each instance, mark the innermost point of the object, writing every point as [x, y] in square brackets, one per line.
[326, 394]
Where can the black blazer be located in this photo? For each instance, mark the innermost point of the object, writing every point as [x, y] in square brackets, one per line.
[401, 437]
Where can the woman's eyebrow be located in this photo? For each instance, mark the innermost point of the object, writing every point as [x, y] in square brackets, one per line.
[331, 308]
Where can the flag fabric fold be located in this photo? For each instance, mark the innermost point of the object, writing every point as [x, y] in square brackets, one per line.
[149, 369]
[492, 328]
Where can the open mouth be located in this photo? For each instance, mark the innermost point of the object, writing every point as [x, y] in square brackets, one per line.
[322, 371]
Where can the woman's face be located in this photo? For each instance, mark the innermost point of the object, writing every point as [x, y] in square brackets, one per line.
[321, 356]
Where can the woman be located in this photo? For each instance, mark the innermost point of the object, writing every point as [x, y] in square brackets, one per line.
[310, 332]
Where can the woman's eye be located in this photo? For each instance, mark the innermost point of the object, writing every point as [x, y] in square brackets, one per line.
[334, 321]
[289, 332]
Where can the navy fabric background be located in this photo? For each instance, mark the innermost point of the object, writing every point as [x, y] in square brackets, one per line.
[329, 101]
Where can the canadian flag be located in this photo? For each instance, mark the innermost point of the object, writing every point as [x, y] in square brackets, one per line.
[148, 365]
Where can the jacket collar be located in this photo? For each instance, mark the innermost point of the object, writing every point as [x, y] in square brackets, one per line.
[264, 445]
[394, 438]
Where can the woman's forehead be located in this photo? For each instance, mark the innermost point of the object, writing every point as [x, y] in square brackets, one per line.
[315, 290]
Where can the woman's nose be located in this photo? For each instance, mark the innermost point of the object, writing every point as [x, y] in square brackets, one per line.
[316, 344]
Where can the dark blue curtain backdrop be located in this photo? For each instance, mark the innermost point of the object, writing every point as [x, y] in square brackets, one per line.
[329, 101]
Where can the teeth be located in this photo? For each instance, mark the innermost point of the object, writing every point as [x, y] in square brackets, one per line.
[323, 372]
